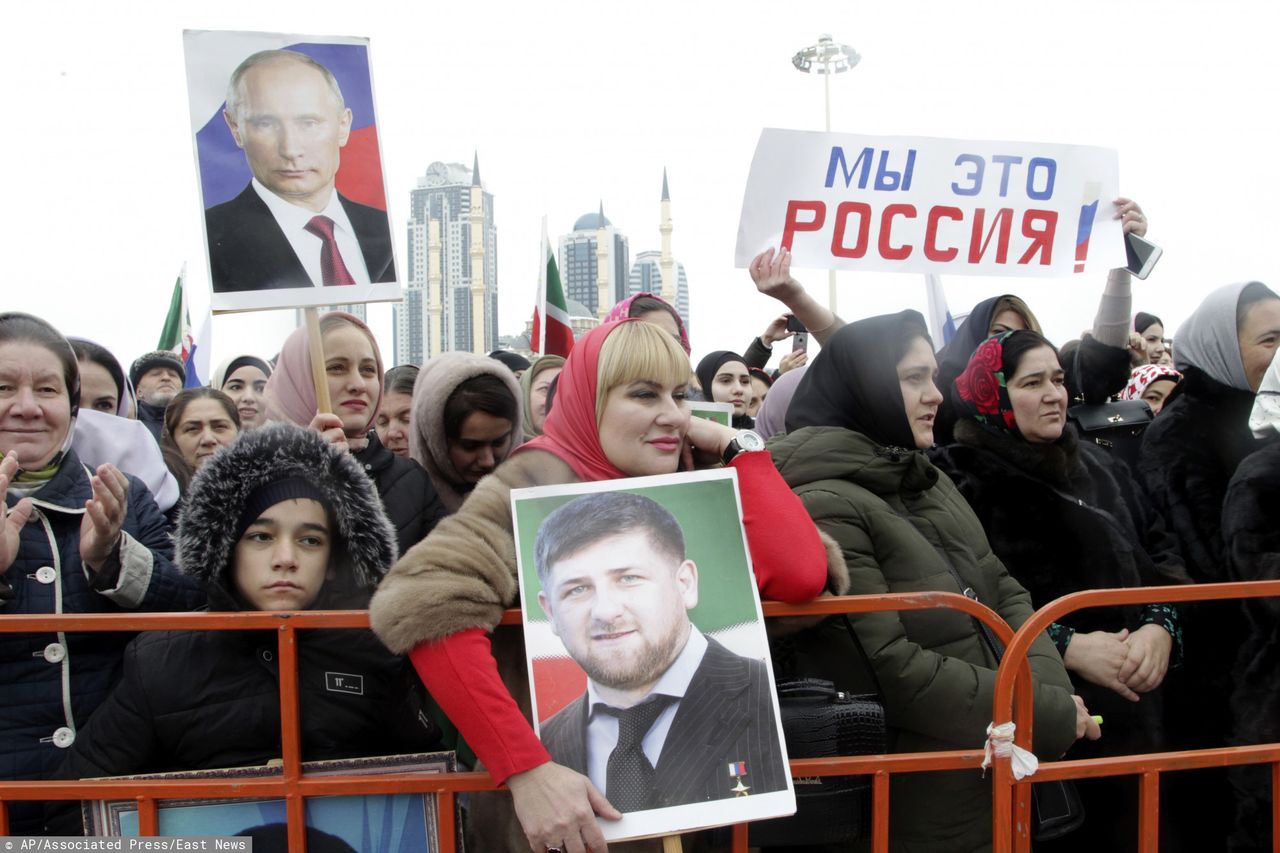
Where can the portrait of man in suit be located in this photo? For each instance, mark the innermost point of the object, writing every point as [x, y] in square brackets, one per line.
[669, 716]
[290, 227]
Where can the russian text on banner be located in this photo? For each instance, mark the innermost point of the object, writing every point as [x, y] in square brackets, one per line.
[924, 205]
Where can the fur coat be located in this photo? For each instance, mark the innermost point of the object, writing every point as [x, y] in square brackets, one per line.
[1251, 532]
[1189, 455]
[1066, 517]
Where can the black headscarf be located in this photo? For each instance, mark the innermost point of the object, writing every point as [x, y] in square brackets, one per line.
[954, 357]
[853, 383]
[706, 373]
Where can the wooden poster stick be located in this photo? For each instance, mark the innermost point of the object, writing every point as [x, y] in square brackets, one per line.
[671, 844]
[316, 346]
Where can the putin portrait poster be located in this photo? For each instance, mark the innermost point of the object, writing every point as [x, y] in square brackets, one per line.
[649, 665]
[293, 200]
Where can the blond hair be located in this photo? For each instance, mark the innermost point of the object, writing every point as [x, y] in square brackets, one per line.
[638, 350]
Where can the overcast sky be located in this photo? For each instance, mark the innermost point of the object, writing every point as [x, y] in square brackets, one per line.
[569, 104]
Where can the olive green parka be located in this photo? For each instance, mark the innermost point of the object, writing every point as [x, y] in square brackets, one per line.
[898, 521]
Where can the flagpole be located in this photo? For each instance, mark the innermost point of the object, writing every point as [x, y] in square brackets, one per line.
[542, 290]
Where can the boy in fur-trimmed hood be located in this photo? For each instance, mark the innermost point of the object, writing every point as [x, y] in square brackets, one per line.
[276, 521]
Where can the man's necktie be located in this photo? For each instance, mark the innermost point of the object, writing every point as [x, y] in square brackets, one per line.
[332, 269]
[629, 781]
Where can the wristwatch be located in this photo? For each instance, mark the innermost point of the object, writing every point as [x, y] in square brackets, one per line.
[744, 442]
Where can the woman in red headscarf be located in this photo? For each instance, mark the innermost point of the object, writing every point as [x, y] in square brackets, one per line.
[618, 412]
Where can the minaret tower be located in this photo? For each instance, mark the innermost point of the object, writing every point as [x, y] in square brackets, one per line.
[476, 219]
[667, 264]
[604, 289]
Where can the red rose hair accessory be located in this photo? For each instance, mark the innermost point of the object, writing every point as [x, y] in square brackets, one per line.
[980, 393]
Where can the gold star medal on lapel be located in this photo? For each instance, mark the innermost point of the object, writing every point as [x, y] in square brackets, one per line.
[738, 769]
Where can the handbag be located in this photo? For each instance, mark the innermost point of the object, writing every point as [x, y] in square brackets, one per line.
[821, 721]
[1116, 427]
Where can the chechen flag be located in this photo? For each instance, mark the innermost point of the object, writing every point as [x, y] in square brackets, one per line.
[551, 334]
[176, 336]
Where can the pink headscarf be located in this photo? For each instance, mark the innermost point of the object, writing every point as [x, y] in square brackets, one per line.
[1142, 377]
[570, 430]
[291, 392]
[622, 311]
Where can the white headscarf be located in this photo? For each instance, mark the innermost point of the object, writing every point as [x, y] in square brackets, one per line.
[1266, 406]
[1208, 339]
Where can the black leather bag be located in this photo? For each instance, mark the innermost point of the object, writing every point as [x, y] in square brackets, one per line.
[1116, 427]
[1056, 809]
[819, 721]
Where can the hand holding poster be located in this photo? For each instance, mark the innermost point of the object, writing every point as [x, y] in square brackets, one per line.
[648, 659]
[922, 205]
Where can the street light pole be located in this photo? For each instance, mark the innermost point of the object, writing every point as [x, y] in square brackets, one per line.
[826, 58]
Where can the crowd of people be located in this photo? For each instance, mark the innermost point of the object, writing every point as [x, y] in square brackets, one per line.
[890, 466]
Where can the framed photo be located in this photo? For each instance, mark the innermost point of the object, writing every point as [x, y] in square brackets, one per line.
[648, 660]
[721, 413]
[292, 196]
[369, 823]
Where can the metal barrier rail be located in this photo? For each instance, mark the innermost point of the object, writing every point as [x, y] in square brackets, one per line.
[1011, 804]
[293, 786]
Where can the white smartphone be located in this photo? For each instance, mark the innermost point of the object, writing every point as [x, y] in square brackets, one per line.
[1142, 255]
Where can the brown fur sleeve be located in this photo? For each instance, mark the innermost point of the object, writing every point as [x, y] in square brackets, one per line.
[463, 575]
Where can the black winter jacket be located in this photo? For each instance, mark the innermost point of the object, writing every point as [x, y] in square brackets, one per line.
[1251, 532]
[52, 682]
[408, 496]
[1189, 455]
[1066, 517]
[192, 700]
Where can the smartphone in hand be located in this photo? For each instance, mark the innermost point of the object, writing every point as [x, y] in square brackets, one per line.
[1142, 255]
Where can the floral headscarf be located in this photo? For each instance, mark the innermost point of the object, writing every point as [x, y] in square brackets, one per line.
[979, 392]
[1142, 377]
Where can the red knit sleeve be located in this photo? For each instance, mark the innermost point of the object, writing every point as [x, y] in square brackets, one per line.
[790, 560]
[462, 676]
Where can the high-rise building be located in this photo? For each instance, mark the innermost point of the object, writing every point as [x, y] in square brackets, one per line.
[451, 291]
[597, 279]
[658, 271]
[646, 277]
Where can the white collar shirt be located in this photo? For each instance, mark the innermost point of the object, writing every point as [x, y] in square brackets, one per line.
[293, 220]
[602, 727]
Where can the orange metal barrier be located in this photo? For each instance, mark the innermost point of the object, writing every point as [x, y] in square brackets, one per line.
[1010, 799]
[293, 786]
[1011, 804]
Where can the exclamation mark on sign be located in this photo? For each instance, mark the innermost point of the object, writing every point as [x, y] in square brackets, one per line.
[1088, 210]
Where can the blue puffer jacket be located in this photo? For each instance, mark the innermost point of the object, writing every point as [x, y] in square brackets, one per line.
[52, 682]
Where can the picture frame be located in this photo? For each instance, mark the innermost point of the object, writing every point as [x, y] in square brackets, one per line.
[621, 588]
[256, 191]
[721, 413]
[371, 823]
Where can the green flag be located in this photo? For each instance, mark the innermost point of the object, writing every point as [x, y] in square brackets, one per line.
[174, 325]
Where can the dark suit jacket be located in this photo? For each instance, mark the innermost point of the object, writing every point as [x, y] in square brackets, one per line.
[248, 251]
[726, 716]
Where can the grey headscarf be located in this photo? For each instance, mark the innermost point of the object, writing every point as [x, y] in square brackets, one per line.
[1208, 339]
[772, 417]
[1266, 407]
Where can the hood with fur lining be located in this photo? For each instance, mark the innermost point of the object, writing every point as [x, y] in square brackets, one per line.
[364, 544]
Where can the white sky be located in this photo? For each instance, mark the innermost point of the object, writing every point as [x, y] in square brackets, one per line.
[571, 103]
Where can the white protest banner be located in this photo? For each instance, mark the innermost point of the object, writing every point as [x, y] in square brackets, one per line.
[921, 205]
